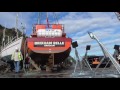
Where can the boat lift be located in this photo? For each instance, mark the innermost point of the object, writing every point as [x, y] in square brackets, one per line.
[105, 52]
[107, 56]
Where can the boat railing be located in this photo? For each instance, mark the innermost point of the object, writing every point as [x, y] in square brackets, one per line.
[9, 42]
[49, 26]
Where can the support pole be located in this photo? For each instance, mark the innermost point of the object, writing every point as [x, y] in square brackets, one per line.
[78, 62]
[86, 62]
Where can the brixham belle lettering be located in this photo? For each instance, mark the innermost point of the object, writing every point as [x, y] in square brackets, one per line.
[49, 43]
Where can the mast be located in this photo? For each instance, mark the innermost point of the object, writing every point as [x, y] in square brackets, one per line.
[16, 25]
[38, 17]
[3, 41]
[23, 28]
[47, 20]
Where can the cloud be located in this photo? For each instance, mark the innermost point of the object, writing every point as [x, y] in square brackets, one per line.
[8, 19]
[104, 25]
[77, 22]
[86, 38]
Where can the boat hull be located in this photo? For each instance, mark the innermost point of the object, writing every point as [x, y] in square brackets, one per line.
[60, 47]
[42, 59]
[9, 49]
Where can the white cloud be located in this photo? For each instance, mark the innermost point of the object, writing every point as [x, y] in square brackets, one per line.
[9, 19]
[75, 22]
[103, 24]
[86, 39]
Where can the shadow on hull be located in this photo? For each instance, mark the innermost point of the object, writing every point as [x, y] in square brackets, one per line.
[43, 58]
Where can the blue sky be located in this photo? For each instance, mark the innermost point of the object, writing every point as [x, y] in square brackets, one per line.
[105, 25]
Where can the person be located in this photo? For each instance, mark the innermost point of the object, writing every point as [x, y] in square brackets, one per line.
[17, 57]
[118, 57]
[27, 62]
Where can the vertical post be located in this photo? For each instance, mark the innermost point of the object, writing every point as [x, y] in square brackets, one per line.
[3, 42]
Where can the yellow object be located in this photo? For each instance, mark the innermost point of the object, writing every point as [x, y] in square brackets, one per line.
[96, 62]
[19, 56]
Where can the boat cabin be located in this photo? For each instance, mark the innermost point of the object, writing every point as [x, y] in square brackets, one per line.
[52, 30]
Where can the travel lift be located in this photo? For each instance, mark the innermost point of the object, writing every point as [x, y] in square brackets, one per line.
[106, 54]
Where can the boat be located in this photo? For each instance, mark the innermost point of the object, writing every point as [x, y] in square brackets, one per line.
[48, 43]
[7, 49]
[95, 60]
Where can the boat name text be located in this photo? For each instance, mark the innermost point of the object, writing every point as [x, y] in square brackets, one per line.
[45, 44]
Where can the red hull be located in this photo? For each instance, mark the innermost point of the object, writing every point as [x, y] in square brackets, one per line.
[48, 41]
[43, 58]
[49, 49]
[41, 54]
